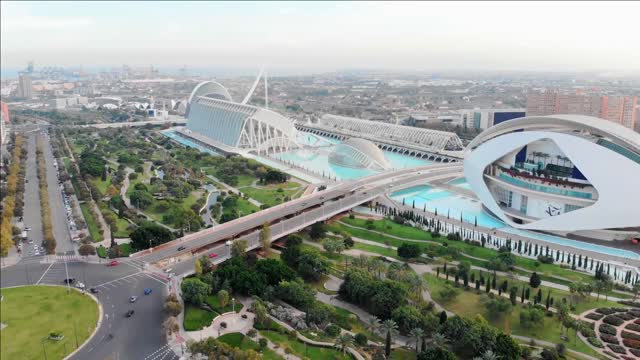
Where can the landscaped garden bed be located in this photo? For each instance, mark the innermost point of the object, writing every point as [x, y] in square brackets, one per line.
[594, 316]
[611, 339]
[613, 320]
[607, 329]
[617, 349]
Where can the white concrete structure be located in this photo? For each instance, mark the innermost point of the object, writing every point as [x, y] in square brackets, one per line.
[559, 173]
[359, 153]
[212, 113]
[433, 140]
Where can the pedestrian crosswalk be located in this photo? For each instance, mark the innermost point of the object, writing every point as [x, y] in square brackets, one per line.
[164, 353]
[54, 274]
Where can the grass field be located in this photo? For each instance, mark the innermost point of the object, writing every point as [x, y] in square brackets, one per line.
[121, 224]
[32, 312]
[238, 340]
[212, 300]
[92, 223]
[196, 318]
[102, 185]
[299, 349]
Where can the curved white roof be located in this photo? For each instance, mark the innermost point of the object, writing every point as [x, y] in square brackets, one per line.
[605, 128]
[211, 89]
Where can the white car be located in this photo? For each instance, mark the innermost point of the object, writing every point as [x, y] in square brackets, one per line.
[80, 285]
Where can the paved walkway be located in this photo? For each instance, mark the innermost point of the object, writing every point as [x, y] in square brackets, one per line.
[333, 283]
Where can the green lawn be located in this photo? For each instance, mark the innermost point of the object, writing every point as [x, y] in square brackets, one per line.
[196, 318]
[32, 312]
[238, 340]
[212, 300]
[102, 251]
[269, 196]
[468, 304]
[92, 223]
[102, 185]
[301, 350]
[121, 224]
[126, 250]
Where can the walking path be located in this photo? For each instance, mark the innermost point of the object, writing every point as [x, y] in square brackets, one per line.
[234, 190]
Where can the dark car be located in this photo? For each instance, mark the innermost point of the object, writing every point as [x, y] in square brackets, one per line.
[129, 313]
[181, 248]
[69, 281]
[94, 290]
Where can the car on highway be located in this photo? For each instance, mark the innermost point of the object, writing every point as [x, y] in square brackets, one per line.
[168, 270]
[133, 299]
[80, 285]
[182, 248]
[147, 291]
[129, 313]
[69, 280]
[113, 263]
[212, 255]
[26, 228]
[94, 290]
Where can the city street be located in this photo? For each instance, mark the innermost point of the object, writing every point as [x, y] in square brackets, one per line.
[58, 212]
[32, 217]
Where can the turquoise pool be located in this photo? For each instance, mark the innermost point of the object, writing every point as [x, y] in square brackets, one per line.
[455, 205]
[317, 161]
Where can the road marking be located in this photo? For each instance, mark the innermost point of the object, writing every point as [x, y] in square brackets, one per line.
[45, 272]
[112, 281]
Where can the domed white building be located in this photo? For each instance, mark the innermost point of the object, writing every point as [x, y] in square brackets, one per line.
[560, 173]
[360, 154]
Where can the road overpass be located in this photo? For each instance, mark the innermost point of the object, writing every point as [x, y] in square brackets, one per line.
[297, 214]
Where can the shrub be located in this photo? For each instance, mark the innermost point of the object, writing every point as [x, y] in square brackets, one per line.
[613, 320]
[361, 339]
[607, 311]
[252, 333]
[607, 329]
[625, 316]
[609, 339]
[629, 335]
[586, 332]
[594, 316]
[633, 344]
[332, 330]
[617, 348]
[634, 327]
[635, 352]
[630, 303]
[223, 325]
[595, 342]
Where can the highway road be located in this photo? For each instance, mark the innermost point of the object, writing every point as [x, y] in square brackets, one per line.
[61, 231]
[137, 337]
[295, 215]
[32, 217]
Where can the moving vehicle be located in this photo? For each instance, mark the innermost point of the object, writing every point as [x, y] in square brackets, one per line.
[133, 299]
[147, 291]
[168, 270]
[113, 263]
[181, 248]
[69, 280]
[80, 285]
[94, 290]
[212, 255]
[129, 313]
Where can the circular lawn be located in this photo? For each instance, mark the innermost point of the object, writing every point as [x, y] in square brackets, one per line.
[31, 315]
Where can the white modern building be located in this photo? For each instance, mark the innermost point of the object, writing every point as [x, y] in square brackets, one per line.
[560, 173]
[237, 127]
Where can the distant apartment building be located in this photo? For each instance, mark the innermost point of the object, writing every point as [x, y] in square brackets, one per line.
[619, 109]
[483, 119]
[25, 88]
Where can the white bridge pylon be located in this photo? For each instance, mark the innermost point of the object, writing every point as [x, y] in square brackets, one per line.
[262, 73]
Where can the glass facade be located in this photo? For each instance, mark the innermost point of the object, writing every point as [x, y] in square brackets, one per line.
[220, 123]
[544, 188]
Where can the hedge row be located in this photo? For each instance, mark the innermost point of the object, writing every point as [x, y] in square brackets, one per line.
[594, 316]
[607, 329]
[611, 339]
[614, 320]
[49, 242]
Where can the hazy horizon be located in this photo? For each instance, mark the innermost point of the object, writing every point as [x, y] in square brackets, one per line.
[308, 37]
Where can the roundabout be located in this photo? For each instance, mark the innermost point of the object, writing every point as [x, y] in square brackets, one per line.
[45, 321]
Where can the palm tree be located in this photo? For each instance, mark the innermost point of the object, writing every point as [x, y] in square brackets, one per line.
[487, 355]
[391, 328]
[373, 324]
[343, 342]
[417, 334]
[438, 340]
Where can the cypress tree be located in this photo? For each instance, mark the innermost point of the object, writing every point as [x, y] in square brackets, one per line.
[522, 296]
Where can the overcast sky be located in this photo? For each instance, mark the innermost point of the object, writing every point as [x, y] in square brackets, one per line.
[318, 36]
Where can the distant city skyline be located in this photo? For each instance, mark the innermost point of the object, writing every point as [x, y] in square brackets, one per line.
[315, 36]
